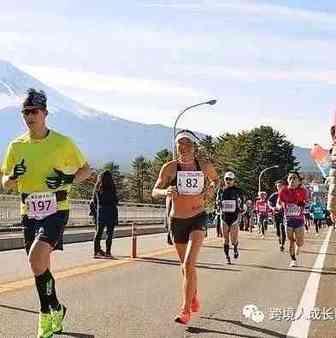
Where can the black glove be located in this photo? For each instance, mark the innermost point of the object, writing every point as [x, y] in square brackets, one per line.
[18, 170]
[54, 182]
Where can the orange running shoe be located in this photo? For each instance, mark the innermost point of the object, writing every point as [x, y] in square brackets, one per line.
[183, 317]
[195, 304]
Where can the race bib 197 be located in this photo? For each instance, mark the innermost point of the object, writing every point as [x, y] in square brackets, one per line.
[229, 205]
[41, 204]
[293, 210]
[190, 182]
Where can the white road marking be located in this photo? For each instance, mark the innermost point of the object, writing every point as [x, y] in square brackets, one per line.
[300, 327]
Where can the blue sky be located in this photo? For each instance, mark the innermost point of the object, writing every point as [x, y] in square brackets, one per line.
[267, 62]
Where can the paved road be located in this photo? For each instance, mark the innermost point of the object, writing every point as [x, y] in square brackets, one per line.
[139, 298]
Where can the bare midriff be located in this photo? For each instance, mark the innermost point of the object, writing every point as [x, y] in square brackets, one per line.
[187, 206]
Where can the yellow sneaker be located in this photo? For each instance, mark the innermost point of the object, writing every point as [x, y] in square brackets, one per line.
[45, 326]
[57, 319]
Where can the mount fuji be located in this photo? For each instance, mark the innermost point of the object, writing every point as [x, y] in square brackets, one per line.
[101, 136]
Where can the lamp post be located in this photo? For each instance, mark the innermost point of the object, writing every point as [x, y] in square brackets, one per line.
[211, 102]
[262, 172]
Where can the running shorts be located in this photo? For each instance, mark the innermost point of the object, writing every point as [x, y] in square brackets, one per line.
[181, 228]
[49, 229]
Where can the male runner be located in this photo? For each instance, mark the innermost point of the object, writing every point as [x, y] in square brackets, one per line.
[42, 164]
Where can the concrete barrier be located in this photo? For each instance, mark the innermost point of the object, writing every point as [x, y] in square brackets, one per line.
[15, 240]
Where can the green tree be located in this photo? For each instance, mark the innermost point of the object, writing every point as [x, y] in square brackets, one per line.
[139, 180]
[160, 158]
[249, 152]
[207, 148]
[268, 148]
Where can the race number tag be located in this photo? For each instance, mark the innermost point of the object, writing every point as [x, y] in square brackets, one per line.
[229, 205]
[293, 210]
[41, 204]
[262, 208]
[190, 182]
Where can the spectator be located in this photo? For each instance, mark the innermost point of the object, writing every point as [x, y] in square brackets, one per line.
[103, 208]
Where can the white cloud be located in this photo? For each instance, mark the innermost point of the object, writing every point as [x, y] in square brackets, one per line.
[253, 74]
[119, 85]
[249, 7]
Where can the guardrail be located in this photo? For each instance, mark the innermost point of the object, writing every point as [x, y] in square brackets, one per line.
[129, 212]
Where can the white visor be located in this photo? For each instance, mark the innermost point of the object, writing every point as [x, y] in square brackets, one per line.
[185, 134]
[229, 174]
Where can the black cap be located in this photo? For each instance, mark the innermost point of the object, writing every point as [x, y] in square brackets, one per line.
[35, 99]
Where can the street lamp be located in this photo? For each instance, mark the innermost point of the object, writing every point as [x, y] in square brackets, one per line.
[262, 172]
[211, 102]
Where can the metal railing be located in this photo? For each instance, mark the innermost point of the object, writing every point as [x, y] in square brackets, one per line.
[129, 212]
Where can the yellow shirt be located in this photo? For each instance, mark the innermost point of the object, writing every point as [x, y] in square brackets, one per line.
[40, 158]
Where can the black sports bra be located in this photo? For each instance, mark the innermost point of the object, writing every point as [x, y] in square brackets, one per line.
[179, 168]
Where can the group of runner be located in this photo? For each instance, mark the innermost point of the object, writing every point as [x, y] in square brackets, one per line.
[286, 205]
[42, 164]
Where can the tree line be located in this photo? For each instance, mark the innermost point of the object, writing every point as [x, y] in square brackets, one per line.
[246, 153]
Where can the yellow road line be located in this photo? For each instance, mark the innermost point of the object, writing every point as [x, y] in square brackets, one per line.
[84, 269]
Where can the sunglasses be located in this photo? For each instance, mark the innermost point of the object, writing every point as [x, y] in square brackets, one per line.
[26, 112]
[228, 179]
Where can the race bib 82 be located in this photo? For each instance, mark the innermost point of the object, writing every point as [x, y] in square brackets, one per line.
[190, 182]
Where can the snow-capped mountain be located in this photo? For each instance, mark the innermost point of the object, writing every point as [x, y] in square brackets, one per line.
[101, 136]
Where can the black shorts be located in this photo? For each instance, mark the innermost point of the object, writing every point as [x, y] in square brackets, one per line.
[49, 229]
[181, 228]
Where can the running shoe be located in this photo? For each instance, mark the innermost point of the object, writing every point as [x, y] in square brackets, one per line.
[57, 319]
[235, 254]
[99, 254]
[228, 260]
[293, 264]
[195, 304]
[108, 255]
[282, 248]
[183, 317]
[45, 329]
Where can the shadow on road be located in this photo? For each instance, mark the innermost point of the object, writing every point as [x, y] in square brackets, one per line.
[268, 332]
[297, 269]
[208, 266]
[18, 309]
[221, 247]
[200, 330]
